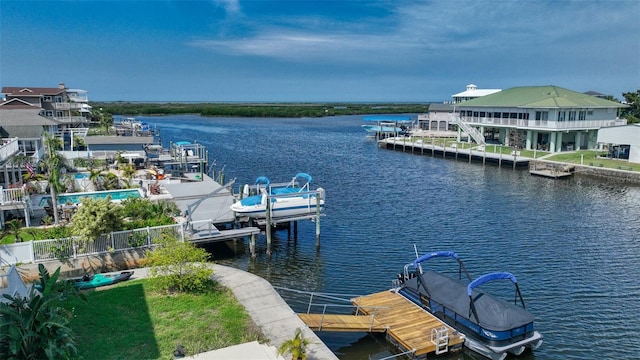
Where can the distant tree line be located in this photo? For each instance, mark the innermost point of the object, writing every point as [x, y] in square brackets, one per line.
[256, 110]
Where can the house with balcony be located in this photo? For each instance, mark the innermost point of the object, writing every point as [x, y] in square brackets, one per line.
[68, 108]
[548, 118]
[438, 118]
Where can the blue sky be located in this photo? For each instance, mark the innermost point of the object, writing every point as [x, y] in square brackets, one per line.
[259, 50]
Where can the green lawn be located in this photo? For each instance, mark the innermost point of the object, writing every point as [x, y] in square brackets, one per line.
[132, 321]
[591, 158]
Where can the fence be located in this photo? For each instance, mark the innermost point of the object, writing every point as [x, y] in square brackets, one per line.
[71, 247]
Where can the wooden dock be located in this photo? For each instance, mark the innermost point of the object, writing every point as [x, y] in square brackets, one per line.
[550, 170]
[409, 327]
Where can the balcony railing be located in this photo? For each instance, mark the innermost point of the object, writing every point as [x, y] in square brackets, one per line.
[71, 119]
[544, 124]
[69, 105]
[8, 148]
[12, 196]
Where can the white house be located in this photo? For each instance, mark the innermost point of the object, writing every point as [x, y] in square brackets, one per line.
[547, 118]
[623, 141]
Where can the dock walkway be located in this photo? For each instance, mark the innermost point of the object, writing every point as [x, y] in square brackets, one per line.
[410, 328]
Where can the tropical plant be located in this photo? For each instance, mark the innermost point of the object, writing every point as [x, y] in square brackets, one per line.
[296, 346]
[128, 171]
[13, 227]
[179, 266]
[96, 217]
[37, 326]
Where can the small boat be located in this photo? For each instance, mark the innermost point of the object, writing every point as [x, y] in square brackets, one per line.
[97, 280]
[493, 327]
[285, 201]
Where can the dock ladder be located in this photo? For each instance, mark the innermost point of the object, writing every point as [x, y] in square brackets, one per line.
[440, 338]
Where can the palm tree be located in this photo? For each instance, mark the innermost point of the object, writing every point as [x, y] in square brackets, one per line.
[53, 163]
[13, 227]
[296, 346]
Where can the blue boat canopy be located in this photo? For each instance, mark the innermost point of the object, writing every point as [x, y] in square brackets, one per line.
[263, 180]
[435, 254]
[304, 176]
[387, 118]
[490, 277]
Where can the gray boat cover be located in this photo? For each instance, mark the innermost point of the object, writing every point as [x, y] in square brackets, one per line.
[493, 313]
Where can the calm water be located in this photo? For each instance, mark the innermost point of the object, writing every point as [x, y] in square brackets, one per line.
[573, 244]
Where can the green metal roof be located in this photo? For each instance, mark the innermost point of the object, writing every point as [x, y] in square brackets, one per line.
[540, 97]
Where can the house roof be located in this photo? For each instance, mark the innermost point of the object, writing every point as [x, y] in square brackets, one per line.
[433, 107]
[23, 117]
[541, 97]
[17, 104]
[31, 91]
[476, 92]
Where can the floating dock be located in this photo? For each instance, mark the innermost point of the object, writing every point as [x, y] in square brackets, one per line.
[413, 330]
[550, 170]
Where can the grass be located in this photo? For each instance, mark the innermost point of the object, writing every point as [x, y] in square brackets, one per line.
[134, 321]
[580, 157]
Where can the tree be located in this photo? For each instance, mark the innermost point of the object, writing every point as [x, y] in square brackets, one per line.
[632, 113]
[95, 217]
[37, 326]
[53, 164]
[179, 266]
[296, 346]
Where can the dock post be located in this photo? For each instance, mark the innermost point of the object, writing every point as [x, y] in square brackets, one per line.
[484, 155]
[433, 146]
[295, 230]
[268, 225]
[252, 246]
[317, 220]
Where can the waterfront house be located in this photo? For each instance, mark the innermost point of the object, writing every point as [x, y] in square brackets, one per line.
[68, 108]
[438, 118]
[547, 118]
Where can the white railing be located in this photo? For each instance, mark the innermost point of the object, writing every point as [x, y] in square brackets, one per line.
[544, 124]
[12, 196]
[71, 119]
[8, 148]
[71, 247]
[473, 132]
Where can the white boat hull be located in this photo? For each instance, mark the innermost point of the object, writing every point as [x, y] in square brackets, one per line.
[282, 207]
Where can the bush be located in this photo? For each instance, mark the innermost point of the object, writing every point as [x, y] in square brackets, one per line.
[179, 266]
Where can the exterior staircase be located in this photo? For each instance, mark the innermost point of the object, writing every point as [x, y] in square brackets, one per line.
[470, 130]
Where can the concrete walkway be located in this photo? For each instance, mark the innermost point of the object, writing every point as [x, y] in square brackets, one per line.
[268, 310]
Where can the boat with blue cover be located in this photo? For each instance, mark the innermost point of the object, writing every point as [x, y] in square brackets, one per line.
[493, 327]
[294, 199]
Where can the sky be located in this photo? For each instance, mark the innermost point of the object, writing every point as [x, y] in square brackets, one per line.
[317, 50]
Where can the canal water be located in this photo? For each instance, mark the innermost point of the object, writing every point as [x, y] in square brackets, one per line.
[573, 244]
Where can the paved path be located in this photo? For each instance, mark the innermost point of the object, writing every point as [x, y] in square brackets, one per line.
[268, 310]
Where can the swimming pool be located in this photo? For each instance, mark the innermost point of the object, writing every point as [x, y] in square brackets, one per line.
[75, 198]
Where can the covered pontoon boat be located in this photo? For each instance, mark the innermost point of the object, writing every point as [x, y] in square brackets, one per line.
[493, 327]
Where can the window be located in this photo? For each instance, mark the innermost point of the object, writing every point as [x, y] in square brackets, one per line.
[542, 115]
[496, 115]
[58, 99]
[561, 115]
[572, 115]
[482, 114]
[513, 115]
[582, 115]
[46, 98]
[48, 113]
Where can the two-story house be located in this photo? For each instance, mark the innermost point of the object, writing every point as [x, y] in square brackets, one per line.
[547, 118]
[438, 119]
[68, 108]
